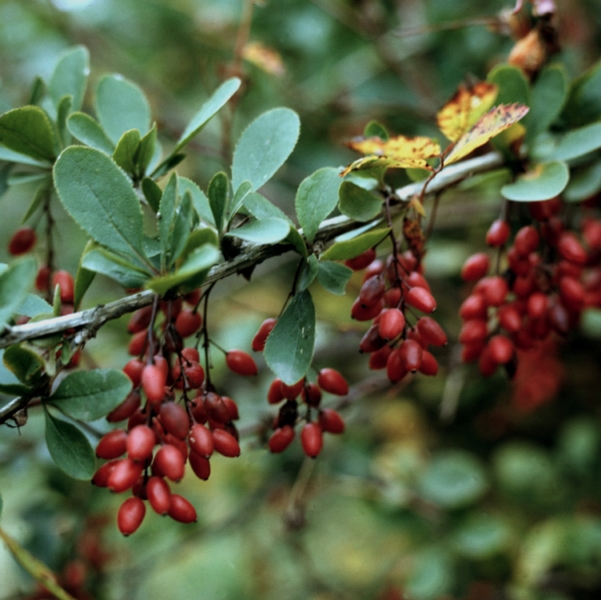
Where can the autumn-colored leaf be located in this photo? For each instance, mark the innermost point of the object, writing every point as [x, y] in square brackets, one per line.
[264, 57]
[397, 152]
[465, 108]
[495, 121]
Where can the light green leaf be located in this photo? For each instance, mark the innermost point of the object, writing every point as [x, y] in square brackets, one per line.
[91, 395]
[543, 182]
[24, 363]
[62, 113]
[70, 76]
[583, 183]
[264, 147]
[120, 106]
[199, 237]
[11, 156]
[431, 576]
[100, 198]
[27, 130]
[39, 196]
[15, 283]
[316, 198]
[357, 203]
[289, 347]
[33, 305]
[200, 202]
[355, 246]
[126, 151]
[147, 152]
[512, 84]
[219, 192]
[308, 273]
[103, 261]
[265, 231]
[219, 98]
[238, 199]
[577, 142]
[584, 101]
[375, 129]
[87, 130]
[69, 448]
[333, 276]
[482, 536]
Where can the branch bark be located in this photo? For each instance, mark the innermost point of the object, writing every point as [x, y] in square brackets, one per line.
[87, 322]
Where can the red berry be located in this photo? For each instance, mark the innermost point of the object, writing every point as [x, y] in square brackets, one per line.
[130, 515]
[474, 330]
[138, 343]
[473, 307]
[395, 366]
[475, 267]
[526, 240]
[379, 358]
[258, 343]
[123, 475]
[188, 322]
[274, 393]
[571, 293]
[591, 231]
[363, 260]
[181, 510]
[112, 445]
[416, 279]
[510, 318]
[191, 354]
[290, 392]
[42, 279]
[312, 439]
[159, 494]
[312, 394]
[200, 465]
[372, 340]
[125, 409]
[500, 349]
[64, 280]
[360, 313]
[372, 291]
[241, 363]
[175, 420]
[215, 408]
[391, 324]
[569, 247]
[429, 364]
[280, 439]
[331, 421]
[101, 477]
[154, 379]
[133, 369]
[333, 382]
[169, 462]
[195, 375]
[225, 443]
[140, 443]
[421, 299]
[201, 440]
[410, 352]
[22, 241]
[498, 233]
[231, 406]
[431, 332]
[193, 298]
[140, 319]
[537, 305]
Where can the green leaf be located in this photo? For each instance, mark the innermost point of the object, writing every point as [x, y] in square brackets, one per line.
[584, 101]
[333, 276]
[512, 84]
[83, 278]
[167, 206]
[120, 106]
[126, 151]
[482, 535]
[103, 261]
[34, 305]
[70, 76]
[196, 266]
[63, 112]
[219, 98]
[15, 283]
[289, 347]
[547, 99]
[39, 196]
[308, 273]
[238, 199]
[357, 203]
[24, 363]
[100, 198]
[69, 448]
[27, 130]
[152, 192]
[316, 198]
[91, 395]
[590, 323]
[9, 384]
[87, 130]
[545, 181]
[264, 147]
[147, 152]
[219, 190]
[454, 479]
[577, 142]
[200, 202]
[10, 156]
[583, 183]
[266, 231]
[199, 237]
[355, 246]
[375, 129]
[431, 575]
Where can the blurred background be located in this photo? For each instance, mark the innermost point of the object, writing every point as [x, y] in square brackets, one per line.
[454, 487]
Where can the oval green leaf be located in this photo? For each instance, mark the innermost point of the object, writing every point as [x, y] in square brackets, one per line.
[333, 276]
[70, 76]
[355, 246]
[577, 142]
[265, 231]
[358, 203]
[103, 261]
[545, 181]
[87, 130]
[15, 283]
[27, 130]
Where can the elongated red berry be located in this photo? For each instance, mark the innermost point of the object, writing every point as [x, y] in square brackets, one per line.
[311, 394]
[473, 307]
[64, 280]
[169, 462]
[411, 354]
[537, 305]
[225, 443]
[290, 392]
[372, 340]
[174, 419]
[474, 330]
[379, 358]
[241, 362]
[232, 407]
[332, 381]
[101, 477]
[258, 343]
[140, 443]
[159, 494]
[363, 260]
[194, 374]
[188, 322]
[498, 233]
[22, 241]
[391, 324]
[475, 267]
[140, 319]
[181, 510]
[431, 332]
[510, 318]
[130, 516]
[500, 349]
[138, 343]
[200, 466]
[191, 354]
[154, 379]
[360, 313]
[421, 299]
[571, 249]
[201, 440]
[494, 288]
[133, 369]
[372, 291]
[215, 408]
[123, 475]
[42, 279]
[281, 438]
[526, 240]
[112, 445]
[312, 439]
[429, 364]
[395, 366]
[331, 421]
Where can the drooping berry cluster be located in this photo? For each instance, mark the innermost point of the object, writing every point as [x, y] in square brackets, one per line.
[551, 274]
[174, 416]
[398, 339]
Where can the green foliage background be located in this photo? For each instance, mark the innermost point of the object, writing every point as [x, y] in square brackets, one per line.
[404, 499]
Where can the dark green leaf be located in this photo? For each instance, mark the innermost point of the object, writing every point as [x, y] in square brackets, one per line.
[120, 106]
[512, 84]
[289, 347]
[69, 448]
[105, 262]
[577, 142]
[219, 98]
[70, 76]
[182, 226]
[316, 198]
[99, 196]
[15, 283]
[87, 130]
[583, 183]
[9, 384]
[375, 129]
[264, 147]
[91, 395]
[200, 202]
[584, 101]
[333, 276]
[266, 231]
[23, 362]
[357, 203]
[350, 248]
[167, 206]
[126, 151]
[219, 190]
[545, 181]
[28, 131]
[83, 278]
[152, 192]
[308, 273]
[146, 152]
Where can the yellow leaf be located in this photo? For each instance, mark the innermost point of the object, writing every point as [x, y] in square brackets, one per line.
[495, 121]
[264, 57]
[465, 108]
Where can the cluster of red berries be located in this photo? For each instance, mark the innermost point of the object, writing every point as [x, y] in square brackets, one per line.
[390, 292]
[552, 274]
[181, 420]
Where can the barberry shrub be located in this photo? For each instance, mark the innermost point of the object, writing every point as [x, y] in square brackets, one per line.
[201, 380]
